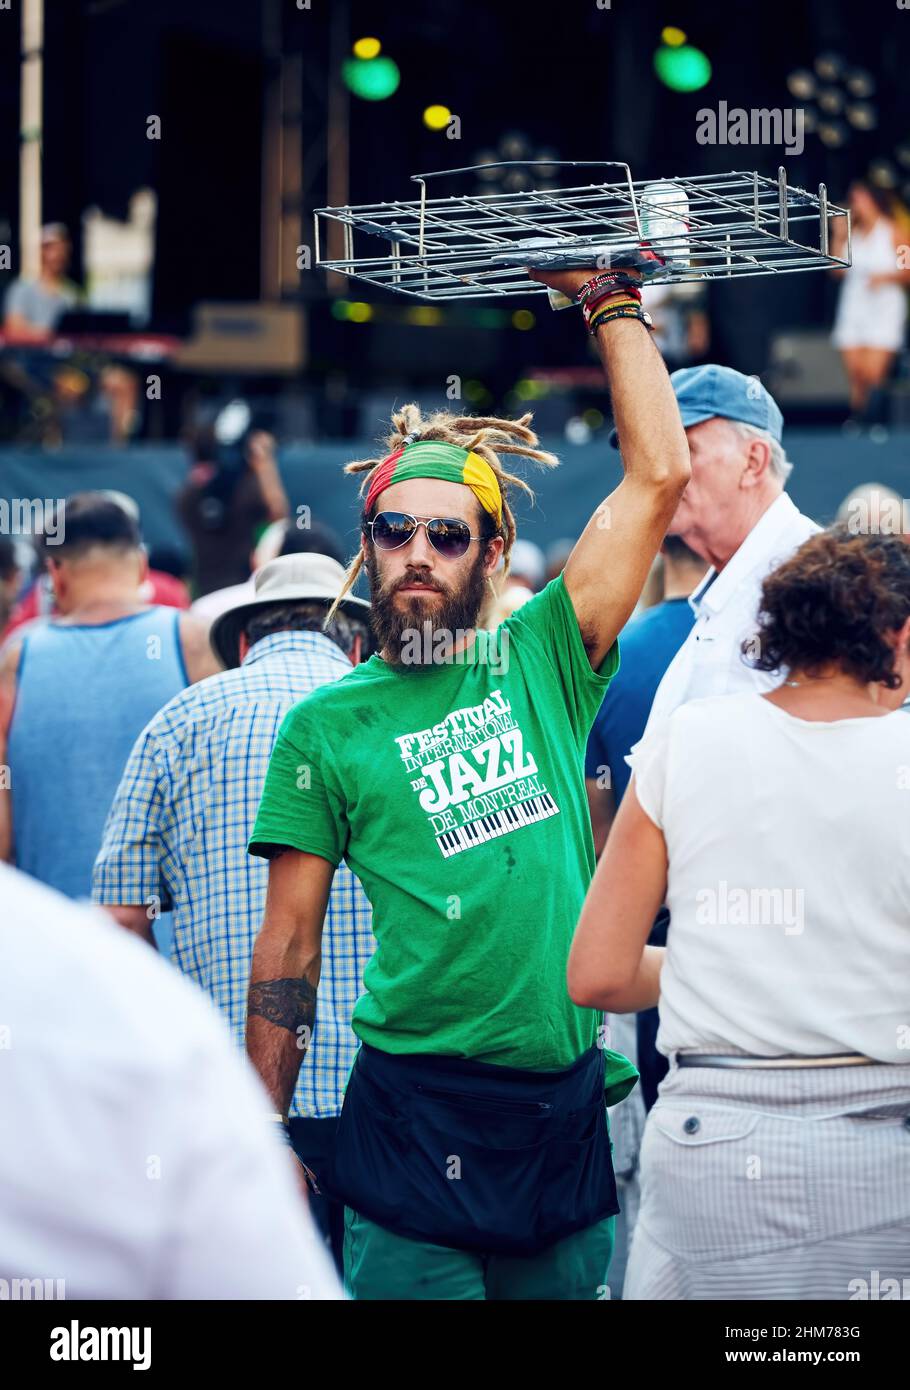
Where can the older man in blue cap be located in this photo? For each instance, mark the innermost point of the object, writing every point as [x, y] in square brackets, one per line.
[736, 514]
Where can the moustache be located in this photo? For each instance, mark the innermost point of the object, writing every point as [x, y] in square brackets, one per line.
[423, 579]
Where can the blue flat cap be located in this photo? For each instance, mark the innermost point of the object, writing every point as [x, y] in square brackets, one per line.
[703, 392]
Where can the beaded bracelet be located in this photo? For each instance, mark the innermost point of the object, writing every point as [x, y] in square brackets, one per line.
[639, 314]
[607, 316]
[605, 291]
[630, 305]
[593, 311]
[599, 295]
[614, 279]
[621, 278]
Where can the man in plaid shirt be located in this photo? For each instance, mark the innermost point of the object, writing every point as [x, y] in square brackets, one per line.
[177, 832]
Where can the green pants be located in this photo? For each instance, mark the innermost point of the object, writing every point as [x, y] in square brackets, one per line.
[381, 1265]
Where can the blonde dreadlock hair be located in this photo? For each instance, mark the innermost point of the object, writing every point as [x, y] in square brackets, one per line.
[484, 435]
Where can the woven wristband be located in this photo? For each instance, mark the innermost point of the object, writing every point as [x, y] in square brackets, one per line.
[603, 291]
[619, 278]
[607, 316]
[606, 281]
[590, 314]
[615, 297]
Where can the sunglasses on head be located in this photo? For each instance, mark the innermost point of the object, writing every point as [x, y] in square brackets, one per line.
[449, 536]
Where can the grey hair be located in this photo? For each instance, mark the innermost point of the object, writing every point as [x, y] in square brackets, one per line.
[781, 467]
[307, 616]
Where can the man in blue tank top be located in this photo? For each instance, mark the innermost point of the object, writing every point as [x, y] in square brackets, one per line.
[76, 691]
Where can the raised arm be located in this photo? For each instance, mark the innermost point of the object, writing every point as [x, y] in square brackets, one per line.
[281, 1012]
[607, 569]
[261, 454]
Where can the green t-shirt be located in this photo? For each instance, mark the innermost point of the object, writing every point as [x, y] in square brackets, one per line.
[456, 794]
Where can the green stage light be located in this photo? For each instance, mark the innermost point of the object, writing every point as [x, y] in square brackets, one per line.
[352, 311]
[373, 79]
[683, 69]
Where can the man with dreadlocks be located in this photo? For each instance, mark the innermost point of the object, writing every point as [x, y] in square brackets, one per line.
[473, 1152]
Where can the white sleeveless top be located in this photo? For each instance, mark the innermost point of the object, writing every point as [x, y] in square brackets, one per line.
[789, 879]
[871, 317]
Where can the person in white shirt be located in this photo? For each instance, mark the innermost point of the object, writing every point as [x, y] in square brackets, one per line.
[776, 1161]
[138, 1160]
[737, 516]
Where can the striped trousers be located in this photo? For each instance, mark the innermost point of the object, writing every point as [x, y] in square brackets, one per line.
[775, 1185]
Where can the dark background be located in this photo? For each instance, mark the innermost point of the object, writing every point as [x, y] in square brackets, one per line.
[571, 77]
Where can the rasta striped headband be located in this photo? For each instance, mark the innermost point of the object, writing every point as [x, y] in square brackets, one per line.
[430, 458]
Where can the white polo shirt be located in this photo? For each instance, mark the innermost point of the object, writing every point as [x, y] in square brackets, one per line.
[137, 1159]
[725, 604]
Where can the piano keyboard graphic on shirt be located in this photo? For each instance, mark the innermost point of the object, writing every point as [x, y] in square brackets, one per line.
[477, 832]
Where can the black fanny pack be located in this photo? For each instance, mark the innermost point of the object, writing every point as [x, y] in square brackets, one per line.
[477, 1157]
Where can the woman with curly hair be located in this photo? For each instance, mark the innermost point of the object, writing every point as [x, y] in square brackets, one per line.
[776, 1162]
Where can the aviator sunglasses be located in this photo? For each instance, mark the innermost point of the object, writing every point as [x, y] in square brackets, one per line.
[449, 536]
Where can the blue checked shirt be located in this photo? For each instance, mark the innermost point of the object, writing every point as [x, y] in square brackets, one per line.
[178, 831]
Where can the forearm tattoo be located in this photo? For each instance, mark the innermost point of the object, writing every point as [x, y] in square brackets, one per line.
[289, 1004]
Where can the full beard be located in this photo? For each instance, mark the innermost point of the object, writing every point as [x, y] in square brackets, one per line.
[394, 624]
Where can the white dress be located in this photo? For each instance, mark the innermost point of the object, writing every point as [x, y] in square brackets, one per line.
[871, 317]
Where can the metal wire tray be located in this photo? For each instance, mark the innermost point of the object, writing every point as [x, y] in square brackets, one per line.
[479, 246]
